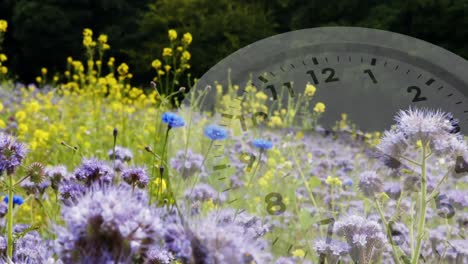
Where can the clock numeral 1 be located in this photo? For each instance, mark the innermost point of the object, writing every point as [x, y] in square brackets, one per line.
[371, 75]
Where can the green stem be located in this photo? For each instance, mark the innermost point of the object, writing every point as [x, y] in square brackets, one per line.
[10, 218]
[396, 254]
[422, 208]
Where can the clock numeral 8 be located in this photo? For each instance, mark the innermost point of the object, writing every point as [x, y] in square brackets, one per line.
[275, 200]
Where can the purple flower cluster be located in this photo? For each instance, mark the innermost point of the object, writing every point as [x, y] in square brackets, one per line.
[12, 153]
[93, 171]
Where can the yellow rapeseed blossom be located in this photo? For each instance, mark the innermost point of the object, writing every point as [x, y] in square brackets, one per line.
[1, 106]
[419, 144]
[156, 64]
[2, 124]
[3, 70]
[158, 186]
[3, 26]
[111, 61]
[44, 71]
[38, 79]
[186, 55]
[20, 116]
[319, 107]
[310, 90]
[261, 96]
[167, 67]
[167, 52]
[87, 32]
[88, 41]
[102, 38]
[275, 121]
[299, 253]
[123, 69]
[180, 48]
[172, 34]
[187, 38]
[3, 57]
[333, 181]
[22, 129]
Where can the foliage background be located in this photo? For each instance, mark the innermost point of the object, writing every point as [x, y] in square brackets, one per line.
[138, 28]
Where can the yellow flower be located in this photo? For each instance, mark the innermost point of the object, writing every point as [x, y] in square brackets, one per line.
[180, 48]
[159, 186]
[38, 79]
[172, 34]
[111, 61]
[123, 69]
[333, 181]
[56, 78]
[167, 52]
[167, 67]
[156, 64]
[261, 96]
[187, 38]
[3, 57]
[275, 121]
[1, 107]
[69, 60]
[44, 71]
[87, 32]
[186, 55]
[2, 124]
[102, 38]
[310, 90]
[3, 26]
[22, 129]
[3, 70]
[299, 253]
[41, 135]
[319, 107]
[161, 72]
[419, 144]
[88, 41]
[105, 46]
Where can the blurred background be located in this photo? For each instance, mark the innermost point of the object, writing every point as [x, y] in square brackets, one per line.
[42, 33]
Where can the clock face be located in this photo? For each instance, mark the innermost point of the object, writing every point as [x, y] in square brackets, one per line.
[280, 99]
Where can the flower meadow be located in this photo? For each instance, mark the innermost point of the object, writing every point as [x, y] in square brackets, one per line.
[100, 171]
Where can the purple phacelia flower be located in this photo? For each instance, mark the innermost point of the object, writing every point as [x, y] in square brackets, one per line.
[110, 222]
[70, 191]
[370, 184]
[121, 153]
[56, 174]
[173, 120]
[364, 237]
[93, 170]
[188, 164]
[136, 177]
[12, 153]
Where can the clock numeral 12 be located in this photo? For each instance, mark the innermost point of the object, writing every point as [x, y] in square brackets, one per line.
[330, 78]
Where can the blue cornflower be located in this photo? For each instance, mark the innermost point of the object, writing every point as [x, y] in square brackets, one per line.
[18, 200]
[173, 120]
[215, 132]
[262, 144]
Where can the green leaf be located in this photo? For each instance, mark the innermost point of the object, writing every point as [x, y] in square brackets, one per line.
[314, 182]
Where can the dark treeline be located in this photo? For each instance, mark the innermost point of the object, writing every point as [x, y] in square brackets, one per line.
[42, 33]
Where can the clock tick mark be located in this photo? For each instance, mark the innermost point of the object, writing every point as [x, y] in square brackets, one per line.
[374, 60]
[396, 68]
[263, 79]
[449, 95]
[408, 71]
[282, 68]
[362, 59]
[315, 61]
[292, 65]
[429, 82]
[338, 58]
[276, 240]
[349, 58]
[303, 62]
[272, 74]
[459, 102]
[440, 88]
[326, 59]
[385, 64]
[419, 76]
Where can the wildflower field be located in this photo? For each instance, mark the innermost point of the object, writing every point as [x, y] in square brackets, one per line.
[94, 170]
